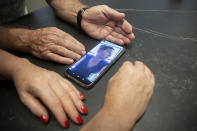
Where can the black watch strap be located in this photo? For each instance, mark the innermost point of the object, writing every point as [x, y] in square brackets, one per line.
[79, 16]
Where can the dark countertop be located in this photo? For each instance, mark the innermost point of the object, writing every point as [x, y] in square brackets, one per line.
[166, 40]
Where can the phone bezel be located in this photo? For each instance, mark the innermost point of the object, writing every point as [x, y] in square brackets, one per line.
[87, 86]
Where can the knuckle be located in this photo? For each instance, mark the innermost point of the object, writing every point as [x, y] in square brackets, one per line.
[57, 103]
[51, 75]
[149, 94]
[49, 37]
[64, 97]
[39, 83]
[36, 87]
[52, 28]
[148, 89]
[104, 6]
[141, 90]
[127, 63]
[53, 58]
[138, 63]
[72, 92]
[69, 40]
[153, 84]
[131, 26]
[60, 50]
[111, 80]
[23, 97]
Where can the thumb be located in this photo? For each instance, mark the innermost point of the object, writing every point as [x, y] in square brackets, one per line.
[35, 107]
[113, 14]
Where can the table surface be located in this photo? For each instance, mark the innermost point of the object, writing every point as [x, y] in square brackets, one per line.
[166, 40]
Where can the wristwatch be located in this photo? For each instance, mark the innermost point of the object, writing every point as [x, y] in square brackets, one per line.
[79, 16]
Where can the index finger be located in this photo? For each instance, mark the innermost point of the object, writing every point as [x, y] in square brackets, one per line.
[125, 26]
[71, 43]
[74, 45]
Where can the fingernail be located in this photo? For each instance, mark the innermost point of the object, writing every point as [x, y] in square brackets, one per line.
[83, 52]
[82, 96]
[79, 119]
[84, 109]
[145, 64]
[152, 72]
[66, 123]
[43, 119]
[78, 56]
[71, 60]
[133, 35]
[121, 41]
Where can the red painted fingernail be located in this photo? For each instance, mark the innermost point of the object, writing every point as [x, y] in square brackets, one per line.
[82, 96]
[152, 72]
[43, 119]
[66, 123]
[84, 109]
[79, 119]
[145, 64]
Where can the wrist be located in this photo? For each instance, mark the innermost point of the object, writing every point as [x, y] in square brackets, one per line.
[120, 119]
[13, 39]
[21, 39]
[79, 17]
[67, 9]
[18, 66]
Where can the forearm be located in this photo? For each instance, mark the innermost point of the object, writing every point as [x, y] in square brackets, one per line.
[109, 121]
[67, 9]
[10, 64]
[14, 39]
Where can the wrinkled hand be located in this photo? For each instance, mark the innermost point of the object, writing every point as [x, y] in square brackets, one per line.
[35, 84]
[102, 22]
[129, 92]
[53, 44]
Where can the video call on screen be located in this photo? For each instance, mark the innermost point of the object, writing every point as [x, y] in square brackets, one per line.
[90, 66]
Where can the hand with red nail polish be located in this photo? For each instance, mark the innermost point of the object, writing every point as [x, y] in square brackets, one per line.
[82, 96]
[84, 109]
[67, 124]
[128, 94]
[79, 119]
[43, 119]
[35, 84]
[150, 70]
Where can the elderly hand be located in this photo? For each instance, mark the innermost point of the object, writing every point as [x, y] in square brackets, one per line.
[102, 22]
[35, 84]
[53, 44]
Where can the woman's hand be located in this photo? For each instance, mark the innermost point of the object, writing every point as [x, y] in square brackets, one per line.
[129, 91]
[38, 87]
[128, 94]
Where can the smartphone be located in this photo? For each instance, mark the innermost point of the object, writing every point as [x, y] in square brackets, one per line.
[94, 63]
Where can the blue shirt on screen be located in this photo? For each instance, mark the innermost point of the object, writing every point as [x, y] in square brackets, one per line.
[83, 71]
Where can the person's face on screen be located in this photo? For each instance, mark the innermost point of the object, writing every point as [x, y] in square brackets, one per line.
[103, 54]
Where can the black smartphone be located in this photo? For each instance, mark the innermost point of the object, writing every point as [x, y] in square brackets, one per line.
[94, 64]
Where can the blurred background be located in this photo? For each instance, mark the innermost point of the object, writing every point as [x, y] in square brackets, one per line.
[32, 5]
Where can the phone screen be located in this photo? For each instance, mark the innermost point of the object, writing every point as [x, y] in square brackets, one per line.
[92, 65]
